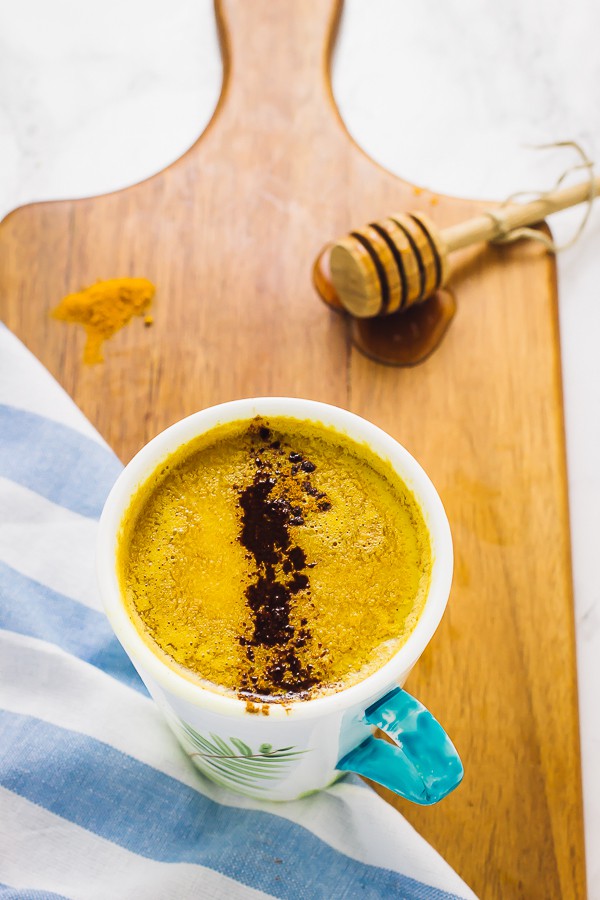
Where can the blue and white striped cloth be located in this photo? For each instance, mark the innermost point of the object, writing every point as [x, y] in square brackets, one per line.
[97, 800]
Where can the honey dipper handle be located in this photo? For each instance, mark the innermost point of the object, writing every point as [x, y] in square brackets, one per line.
[501, 220]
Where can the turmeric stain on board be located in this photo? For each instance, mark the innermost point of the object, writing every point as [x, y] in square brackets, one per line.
[103, 309]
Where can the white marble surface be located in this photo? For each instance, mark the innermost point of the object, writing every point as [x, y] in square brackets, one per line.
[98, 95]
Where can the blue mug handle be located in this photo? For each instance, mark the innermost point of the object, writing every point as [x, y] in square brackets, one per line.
[422, 764]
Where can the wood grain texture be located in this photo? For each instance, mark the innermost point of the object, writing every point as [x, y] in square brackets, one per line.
[228, 234]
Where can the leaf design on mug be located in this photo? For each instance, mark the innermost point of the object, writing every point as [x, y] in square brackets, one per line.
[234, 764]
[244, 749]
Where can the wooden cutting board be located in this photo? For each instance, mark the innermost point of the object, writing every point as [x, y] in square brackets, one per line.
[228, 234]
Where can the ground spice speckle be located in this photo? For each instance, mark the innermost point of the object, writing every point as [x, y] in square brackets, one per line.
[269, 515]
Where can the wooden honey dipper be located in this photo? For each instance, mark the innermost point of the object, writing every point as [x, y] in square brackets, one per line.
[389, 265]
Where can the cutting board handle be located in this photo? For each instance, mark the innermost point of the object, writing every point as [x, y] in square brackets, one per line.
[277, 52]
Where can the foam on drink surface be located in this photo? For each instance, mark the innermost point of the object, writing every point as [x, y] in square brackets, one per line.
[274, 559]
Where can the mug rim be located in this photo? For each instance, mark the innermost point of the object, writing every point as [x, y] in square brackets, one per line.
[147, 460]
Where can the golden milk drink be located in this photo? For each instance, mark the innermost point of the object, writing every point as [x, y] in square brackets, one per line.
[274, 559]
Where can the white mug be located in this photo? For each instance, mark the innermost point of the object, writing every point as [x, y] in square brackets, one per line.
[305, 745]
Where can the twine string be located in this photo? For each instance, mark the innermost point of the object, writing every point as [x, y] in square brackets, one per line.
[509, 236]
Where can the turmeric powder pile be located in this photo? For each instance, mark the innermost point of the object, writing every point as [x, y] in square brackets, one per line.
[103, 309]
